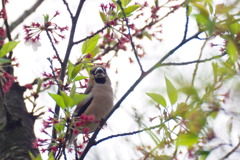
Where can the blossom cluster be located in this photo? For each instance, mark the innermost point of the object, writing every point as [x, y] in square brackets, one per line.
[6, 81]
[34, 30]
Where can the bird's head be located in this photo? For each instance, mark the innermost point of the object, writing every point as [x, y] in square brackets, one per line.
[99, 74]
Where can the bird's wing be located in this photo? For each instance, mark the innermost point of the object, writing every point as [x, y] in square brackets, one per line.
[81, 107]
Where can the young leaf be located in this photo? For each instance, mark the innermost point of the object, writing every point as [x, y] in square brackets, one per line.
[51, 156]
[67, 100]
[158, 98]
[73, 90]
[171, 91]
[90, 44]
[4, 60]
[78, 78]
[33, 157]
[76, 70]
[187, 139]
[131, 9]
[7, 47]
[77, 98]
[70, 68]
[103, 16]
[125, 2]
[232, 50]
[59, 127]
[58, 99]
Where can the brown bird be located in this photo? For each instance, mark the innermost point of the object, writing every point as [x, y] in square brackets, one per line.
[97, 104]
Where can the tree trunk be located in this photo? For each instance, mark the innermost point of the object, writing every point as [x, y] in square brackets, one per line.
[16, 126]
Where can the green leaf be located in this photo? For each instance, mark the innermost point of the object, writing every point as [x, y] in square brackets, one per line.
[39, 84]
[67, 100]
[232, 50]
[171, 91]
[7, 47]
[77, 98]
[90, 44]
[4, 60]
[158, 98]
[131, 9]
[59, 127]
[187, 139]
[58, 99]
[73, 90]
[51, 156]
[33, 157]
[70, 68]
[125, 2]
[76, 70]
[46, 18]
[78, 78]
[103, 16]
[234, 28]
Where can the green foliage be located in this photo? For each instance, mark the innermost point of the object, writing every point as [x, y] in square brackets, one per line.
[90, 44]
[171, 91]
[188, 139]
[128, 11]
[232, 50]
[158, 98]
[35, 158]
[8, 47]
[63, 100]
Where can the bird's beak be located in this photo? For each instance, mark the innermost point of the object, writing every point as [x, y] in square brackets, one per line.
[99, 73]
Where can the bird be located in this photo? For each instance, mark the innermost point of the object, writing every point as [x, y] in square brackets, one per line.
[97, 104]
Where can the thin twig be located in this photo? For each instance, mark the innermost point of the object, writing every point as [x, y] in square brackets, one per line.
[127, 134]
[193, 62]
[187, 21]
[130, 36]
[232, 151]
[88, 37]
[68, 9]
[53, 46]
[53, 72]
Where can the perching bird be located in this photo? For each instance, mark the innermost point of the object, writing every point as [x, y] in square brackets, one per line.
[98, 103]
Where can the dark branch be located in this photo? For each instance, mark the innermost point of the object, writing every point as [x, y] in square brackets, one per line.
[231, 152]
[187, 21]
[68, 9]
[126, 134]
[192, 62]
[130, 36]
[88, 37]
[54, 48]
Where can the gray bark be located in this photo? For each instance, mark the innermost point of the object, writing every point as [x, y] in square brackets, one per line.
[16, 126]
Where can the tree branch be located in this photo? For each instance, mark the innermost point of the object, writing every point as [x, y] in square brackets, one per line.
[192, 62]
[88, 37]
[231, 152]
[126, 134]
[187, 20]
[54, 48]
[68, 9]
[130, 36]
